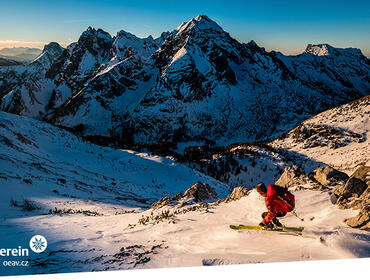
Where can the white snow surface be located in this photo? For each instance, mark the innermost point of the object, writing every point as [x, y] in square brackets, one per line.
[353, 117]
[55, 170]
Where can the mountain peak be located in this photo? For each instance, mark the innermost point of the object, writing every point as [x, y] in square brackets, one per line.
[202, 17]
[93, 38]
[201, 22]
[319, 50]
[327, 50]
[91, 31]
[52, 47]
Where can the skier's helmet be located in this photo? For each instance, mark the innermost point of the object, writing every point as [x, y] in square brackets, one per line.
[261, 188]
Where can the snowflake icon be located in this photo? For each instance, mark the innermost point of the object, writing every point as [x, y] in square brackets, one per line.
[38, 244]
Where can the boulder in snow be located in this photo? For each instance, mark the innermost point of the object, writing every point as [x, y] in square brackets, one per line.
[327, 175]
[362, 220]
[167, 201]
[198, 192]
[236, 194]
[201, 192]
[353, 188]
[363, 173]
[292, 176]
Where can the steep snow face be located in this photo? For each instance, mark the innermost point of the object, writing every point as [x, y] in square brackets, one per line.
[79, 62]
[338, 137]
[48, 56]
[39, 160]
[25, 89]
[126, 44]
[46, 172]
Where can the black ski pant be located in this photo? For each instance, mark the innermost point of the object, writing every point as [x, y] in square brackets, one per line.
[277, 215]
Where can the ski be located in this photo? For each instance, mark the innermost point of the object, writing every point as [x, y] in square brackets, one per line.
[249, 227]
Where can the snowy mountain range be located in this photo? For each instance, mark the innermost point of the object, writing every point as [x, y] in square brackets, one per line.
[185, 96]
[193, 84]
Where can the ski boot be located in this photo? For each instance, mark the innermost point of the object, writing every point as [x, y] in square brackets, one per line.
[268, 226]
[276, 222]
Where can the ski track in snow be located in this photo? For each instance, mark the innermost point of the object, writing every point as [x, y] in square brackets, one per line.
[84, 243]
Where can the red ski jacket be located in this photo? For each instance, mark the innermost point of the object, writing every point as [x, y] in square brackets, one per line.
[278, 200]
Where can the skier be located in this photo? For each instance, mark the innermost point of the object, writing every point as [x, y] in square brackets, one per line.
[279, 201]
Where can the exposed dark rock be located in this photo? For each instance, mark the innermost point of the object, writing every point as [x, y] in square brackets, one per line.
[362, 220]
[353, 188]
[236, 194]
[327, 175]
[363, 173]
[201, 192]
[197, 66]
[167, 201]
[292, 176]
[313, 135]
[197, 193]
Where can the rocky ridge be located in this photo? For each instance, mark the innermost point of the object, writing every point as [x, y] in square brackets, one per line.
[195, 83]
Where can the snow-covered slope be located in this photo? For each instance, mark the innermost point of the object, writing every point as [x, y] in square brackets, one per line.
[195, 83]
[90, 203]
[339, 137]
[117, 240]
[44, 162]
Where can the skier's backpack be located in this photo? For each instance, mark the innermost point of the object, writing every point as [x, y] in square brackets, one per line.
[286, 196]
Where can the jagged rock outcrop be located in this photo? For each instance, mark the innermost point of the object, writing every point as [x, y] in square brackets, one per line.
[355, 194]
[292, 176]
[363, 173]
[352, 189]
[195, 83]
[314, 135]
[361, 221]
[236, 194]
[200, 192]
[167, 201]
[197, 193]
[24, 89]
[327, 175]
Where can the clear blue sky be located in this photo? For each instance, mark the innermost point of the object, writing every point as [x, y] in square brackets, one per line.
[285, 25]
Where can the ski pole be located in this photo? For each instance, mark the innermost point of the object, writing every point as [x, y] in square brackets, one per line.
[295, 214]
[291, 206]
